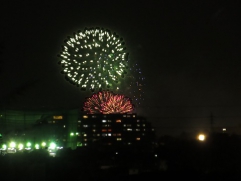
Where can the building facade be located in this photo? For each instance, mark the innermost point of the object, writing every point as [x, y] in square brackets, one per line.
[114, 129]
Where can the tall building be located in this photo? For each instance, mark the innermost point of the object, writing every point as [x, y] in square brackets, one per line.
[114, 129]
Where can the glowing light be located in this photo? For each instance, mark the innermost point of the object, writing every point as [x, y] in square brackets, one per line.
[94, 59]
[4, 146]
[52, 146]
[20, 146]
[36, 146]
[12, 144]
[28, 144]
[43, 144]
[201, 137]
[106, 102]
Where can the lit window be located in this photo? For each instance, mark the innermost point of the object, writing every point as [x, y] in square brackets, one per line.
[98, 134]
[109, 121]
[137, 129]
[119, 134]
[138, 120]
[79, 121]
[118, 139]
[129, 143]
[103, 121]
[138, 125]
[94, 130]
[85, 139]
[85, 116]
[144, 129]
[118, 121]
[109, 134]
[129, 129]
[57, 117]
[64, 126]
[103, 130]
[85, 135]
[53, 121]
[143, 125]
[85, 126]
[85, 144]
[109, 130]
[124, 115]
[93, 116]
[124, 125]
[138, 139]
[104, 134]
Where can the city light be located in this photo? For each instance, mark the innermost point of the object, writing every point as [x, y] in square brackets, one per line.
[43, 144]
[201, 137]
[12, 145]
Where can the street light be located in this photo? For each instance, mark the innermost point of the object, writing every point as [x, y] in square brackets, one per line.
[201, 137]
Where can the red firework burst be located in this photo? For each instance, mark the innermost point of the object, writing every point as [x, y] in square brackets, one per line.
[106, 102]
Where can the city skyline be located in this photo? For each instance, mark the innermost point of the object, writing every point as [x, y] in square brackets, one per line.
[188, 53]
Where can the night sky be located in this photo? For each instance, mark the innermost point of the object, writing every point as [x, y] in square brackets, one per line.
[189, 53]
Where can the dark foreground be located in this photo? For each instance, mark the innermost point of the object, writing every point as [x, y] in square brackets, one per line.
[219, 159]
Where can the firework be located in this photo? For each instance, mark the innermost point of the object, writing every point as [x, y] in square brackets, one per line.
[136, 85]
[94, 59]
[106, 102]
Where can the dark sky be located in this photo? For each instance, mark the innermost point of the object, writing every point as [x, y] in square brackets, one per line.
[189, 53]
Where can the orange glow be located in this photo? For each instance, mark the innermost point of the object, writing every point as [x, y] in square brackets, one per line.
[57, 117]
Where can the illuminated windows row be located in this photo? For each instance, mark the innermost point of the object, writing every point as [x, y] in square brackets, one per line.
[119, 139]
[106, 130]
[124, 115]
[105, 121]
[105, 134]
[130, 125]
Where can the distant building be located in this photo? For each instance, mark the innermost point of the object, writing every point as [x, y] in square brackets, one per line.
[114, 129]
[71, 128]
[38, 126]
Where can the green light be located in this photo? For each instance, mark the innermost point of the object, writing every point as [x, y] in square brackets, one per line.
[28, 144]
[43, 144]
[4, 146]
[71, 134]
[52, 145]
[20, 146]
[36, 146]
[12, 144]
[79, 144]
